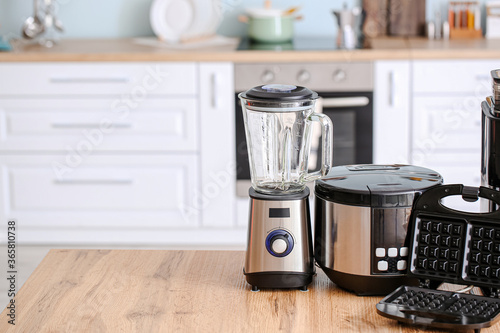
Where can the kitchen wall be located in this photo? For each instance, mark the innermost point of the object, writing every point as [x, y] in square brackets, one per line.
[130, 18]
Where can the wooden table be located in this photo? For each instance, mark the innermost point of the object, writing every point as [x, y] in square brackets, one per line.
[179, 291]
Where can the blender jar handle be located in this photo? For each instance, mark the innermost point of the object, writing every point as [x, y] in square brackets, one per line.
[326, 147]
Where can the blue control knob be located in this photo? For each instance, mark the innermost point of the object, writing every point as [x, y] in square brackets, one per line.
[279, 243]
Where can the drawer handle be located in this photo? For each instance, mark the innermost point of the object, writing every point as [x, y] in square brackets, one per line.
[342, 102]
[89, 125]
[93, 181]
[89, 80]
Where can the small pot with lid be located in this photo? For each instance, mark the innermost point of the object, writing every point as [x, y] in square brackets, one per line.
[361, 217]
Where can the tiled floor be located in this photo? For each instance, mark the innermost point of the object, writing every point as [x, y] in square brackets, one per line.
[28, 258]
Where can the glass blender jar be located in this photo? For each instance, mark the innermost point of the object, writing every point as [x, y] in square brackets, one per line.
[278, 124]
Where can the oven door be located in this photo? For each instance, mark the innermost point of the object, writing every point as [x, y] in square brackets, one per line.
[352, 117]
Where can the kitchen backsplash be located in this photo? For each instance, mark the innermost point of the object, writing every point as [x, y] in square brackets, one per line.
[130, 18]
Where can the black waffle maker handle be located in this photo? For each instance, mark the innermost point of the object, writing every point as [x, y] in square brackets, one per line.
[431, 201]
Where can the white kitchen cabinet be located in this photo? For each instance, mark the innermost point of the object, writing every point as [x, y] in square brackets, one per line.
[391, 112]
[118, 153]
[446, 118]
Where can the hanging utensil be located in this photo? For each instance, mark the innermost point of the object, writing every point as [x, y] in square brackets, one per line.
[33, 25]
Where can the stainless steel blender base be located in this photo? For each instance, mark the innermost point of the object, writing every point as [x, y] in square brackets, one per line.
[279, 252]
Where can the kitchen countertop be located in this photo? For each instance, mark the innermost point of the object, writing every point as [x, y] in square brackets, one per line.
[127, 50]
[188, 291]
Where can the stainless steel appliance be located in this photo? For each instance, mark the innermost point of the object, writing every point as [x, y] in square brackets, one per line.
[490, 152]
[349, 23]
[278, 125]
[362, 214]
[345, 95]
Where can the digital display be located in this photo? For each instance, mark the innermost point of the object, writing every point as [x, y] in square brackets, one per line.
[279, 212]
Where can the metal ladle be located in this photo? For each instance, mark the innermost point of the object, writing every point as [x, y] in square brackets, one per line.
[33, 26]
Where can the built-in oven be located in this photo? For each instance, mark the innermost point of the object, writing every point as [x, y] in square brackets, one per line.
[346, 96]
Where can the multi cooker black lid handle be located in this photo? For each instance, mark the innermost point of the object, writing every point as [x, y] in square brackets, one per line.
[431, 201]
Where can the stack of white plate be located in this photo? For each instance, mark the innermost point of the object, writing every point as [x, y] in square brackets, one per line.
[176, 21]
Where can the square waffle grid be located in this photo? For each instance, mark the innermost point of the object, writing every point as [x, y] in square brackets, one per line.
[483, 254]
[438, 248]
[444, 302]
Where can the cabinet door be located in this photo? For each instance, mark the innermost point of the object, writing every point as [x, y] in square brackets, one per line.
[218, 162]
[98, 124]
[391, 112]
[446, 126]
[135, 191]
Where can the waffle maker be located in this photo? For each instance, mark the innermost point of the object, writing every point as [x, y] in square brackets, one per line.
[455, 247]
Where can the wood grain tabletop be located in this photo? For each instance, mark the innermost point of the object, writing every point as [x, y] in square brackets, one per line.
[180, 291]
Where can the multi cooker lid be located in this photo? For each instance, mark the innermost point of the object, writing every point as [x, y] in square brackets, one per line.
[279, 96]
[376, 185]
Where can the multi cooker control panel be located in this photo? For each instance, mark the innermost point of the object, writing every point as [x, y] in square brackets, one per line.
[390, 260]
[389, 255]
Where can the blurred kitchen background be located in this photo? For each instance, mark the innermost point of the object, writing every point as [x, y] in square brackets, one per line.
[130, 18]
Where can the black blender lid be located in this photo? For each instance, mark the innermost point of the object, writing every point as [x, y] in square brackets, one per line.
[279, 92]
[376, 185]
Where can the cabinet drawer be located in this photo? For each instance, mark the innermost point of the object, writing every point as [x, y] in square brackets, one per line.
[137, 80]
[155, 124]
[444, 123]
[454, 76]
[132, 191]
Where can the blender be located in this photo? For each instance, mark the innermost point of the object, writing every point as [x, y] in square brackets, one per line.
[278, 126]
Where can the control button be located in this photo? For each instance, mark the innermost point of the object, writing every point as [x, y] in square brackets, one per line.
[487, 246]
[303, 76]
[488, 233]
[457, 229]
[446, 228]
[453, 267]
[267, 76]
[380, 252]
[434, 252]
[401, 265]
[339, 75]
[403, 252]
[279, 245]
[454, 254]
[382, 265]
[455, 242]
[392, 252]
